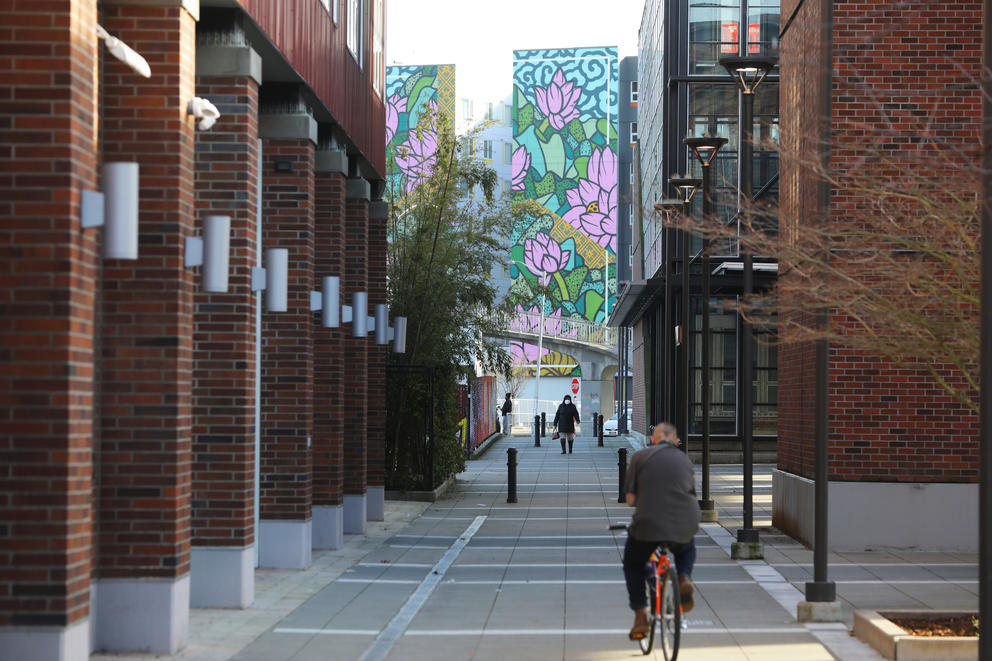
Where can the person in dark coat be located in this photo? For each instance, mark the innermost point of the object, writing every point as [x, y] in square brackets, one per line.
[566, 417]
[506, 409]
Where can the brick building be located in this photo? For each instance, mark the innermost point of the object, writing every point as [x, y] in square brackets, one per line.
[905, 101]
[158, 440]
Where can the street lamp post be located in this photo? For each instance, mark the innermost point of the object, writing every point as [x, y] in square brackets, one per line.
[748, 72]
[705, 150]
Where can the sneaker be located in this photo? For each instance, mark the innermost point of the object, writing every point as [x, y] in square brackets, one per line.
[641, 626]
[685, 592]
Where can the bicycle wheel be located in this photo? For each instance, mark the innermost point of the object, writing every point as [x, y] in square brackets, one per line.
[670, 619]
[647, 642]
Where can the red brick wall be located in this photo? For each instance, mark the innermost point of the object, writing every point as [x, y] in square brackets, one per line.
[376, 414]
[287, 346]
[898, 76]
[483, 409]
[48, 270]
[329, 367]
[356, 349]
[224, 323]
[147, 326]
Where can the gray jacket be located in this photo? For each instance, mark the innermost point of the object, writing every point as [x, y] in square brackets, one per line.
[661, 478]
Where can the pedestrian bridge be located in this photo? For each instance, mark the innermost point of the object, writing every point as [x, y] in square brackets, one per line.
[563, 331]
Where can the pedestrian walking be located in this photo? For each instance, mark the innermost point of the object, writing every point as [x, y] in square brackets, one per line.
[506, 408]
[566, 421]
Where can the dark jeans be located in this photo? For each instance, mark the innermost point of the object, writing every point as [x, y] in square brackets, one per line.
[635, 557]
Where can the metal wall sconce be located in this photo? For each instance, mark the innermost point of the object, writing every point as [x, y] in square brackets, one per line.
[116, 210]
[327, 301]
[212, 253]
[124, 53]
[274, 279]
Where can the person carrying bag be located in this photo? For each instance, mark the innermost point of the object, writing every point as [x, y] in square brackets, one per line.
[566, 419]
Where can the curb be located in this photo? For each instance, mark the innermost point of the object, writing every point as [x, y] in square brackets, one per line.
[485, 445]
[422, 496]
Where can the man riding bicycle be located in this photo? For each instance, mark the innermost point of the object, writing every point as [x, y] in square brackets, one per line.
[661, 485]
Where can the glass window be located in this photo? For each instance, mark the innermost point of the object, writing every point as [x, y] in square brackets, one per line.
[356, 13]
[633, 92]
[507, 115]
[378, 47]
[713, 111]
[633, 132]
[765, 390]
[723, 368]
[762, 27]
[490, 113]
[487, 150]
[714, 30]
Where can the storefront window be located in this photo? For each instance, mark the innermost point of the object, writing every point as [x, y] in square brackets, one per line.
[762, 27]
[723, 368]
[714, 30]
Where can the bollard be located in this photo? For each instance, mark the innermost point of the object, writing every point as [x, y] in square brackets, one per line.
[544, 424]
[622, 465]
[511, 475]
[600, 431]
[537, 431]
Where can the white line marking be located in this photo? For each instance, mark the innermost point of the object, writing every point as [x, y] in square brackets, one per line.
[511, 548]
[385, 641]
[329, 632]
[390, 581]
[590, 632]
[782, 591]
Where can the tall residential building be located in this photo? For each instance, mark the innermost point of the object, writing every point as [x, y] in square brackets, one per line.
[683, 91]
[167, 426]
[627, 118]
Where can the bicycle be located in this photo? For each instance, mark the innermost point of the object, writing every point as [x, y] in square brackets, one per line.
[664, 602]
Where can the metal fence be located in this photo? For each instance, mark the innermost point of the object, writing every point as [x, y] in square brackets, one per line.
[566, 328]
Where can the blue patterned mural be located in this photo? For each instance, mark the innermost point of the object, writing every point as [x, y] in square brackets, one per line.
[565, 158]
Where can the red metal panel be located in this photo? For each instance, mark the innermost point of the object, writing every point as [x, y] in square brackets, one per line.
[317, 49]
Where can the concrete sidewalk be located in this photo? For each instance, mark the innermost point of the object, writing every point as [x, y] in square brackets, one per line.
[475, 577]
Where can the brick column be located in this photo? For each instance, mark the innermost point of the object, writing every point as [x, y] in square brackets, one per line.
[356, 352]
[222, 560]
[48, 271]
[376, 387]
[285, 527]
[329, 368]
[142, 595]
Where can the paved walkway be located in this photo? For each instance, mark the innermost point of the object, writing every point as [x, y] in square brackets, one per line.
[476, 578]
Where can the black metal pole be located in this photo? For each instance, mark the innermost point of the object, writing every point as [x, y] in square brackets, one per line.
[747, 533]
[821, 588]
[622, 473]
[985, 364]
[685, 334]
[544, 424]
[537, 431]
[666, 330]
[600, 432]
[706, 503]
[511, 475]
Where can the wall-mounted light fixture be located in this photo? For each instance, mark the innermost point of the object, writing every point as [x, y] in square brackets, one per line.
[203, 110]
[120, 219]
[327, 301]
[212, 253]
[124, 53]
[274, 279]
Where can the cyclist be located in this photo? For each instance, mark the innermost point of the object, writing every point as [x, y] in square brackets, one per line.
[661, 485]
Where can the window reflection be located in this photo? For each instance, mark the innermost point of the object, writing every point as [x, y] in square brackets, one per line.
[714, 30]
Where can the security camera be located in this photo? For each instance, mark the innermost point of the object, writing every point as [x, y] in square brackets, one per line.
[204, 111]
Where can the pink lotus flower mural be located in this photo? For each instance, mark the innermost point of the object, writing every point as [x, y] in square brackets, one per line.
[521, 164]
[394, 106]
[416, 157]
[594, 202]
[558, 100]
[543, 255]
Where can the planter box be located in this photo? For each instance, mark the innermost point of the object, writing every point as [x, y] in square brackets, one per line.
[893, 642]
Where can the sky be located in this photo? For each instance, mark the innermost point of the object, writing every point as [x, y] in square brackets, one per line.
[479, 37]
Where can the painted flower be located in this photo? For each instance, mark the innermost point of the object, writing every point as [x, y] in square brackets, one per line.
[417, 155]
[394, 106]
[543, 255]
[558, 100]
[521, 164]
[594, 202]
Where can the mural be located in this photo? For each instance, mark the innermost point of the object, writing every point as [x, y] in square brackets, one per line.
[553, 363]
[565, 159]
[410, 91]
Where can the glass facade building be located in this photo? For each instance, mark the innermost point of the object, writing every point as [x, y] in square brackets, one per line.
[683, 91]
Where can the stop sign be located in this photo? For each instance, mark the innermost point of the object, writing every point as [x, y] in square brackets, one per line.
[575, 386]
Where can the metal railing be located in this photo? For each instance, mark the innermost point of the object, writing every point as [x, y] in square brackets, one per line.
[577, 330]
